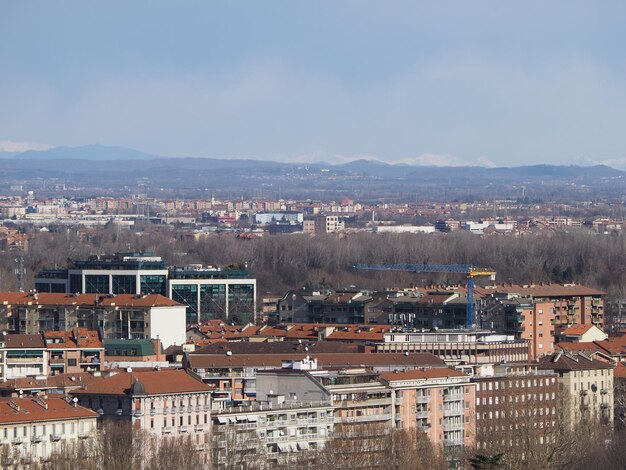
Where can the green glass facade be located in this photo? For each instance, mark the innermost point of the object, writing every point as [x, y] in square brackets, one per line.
[123, 284]
[153, 284]
[187, 294]
[97, 284]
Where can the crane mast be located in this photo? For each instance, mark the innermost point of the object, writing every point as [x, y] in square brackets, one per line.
[469, 270]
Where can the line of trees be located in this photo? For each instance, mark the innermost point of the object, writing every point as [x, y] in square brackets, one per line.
[283, 262]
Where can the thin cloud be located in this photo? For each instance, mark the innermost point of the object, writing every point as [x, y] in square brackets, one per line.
[16, 147]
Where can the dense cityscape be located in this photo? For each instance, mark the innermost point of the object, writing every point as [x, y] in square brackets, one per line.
[330, 235]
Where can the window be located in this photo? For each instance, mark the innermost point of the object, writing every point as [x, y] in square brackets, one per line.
[71, 362]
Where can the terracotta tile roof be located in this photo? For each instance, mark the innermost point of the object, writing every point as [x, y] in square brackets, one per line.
[355, 336]
[155, 382]
[620, 371]
[24, 341]
[61, 382]
[201, 361]
[576, 330]
[31, 409]
[53, 298]
[131, 300]
[76, 338]
[613, 345]
[280, 347]
[418, 374]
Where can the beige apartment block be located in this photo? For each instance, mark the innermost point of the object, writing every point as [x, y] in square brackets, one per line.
[586, 385]
[33, 428]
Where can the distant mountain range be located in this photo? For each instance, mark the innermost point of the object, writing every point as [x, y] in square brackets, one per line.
[99, 169]
[100, 153]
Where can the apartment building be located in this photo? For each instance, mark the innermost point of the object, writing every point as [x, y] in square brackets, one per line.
[328, 224]
[586, 384]
[164, 403]
[572, 303]
[207, 292]
[457, 346]
[77, 350]
[127, 316]
[23, 356]
[32, 428]
[439, 402]
[233, 373]
[278, 430]
[516, 406]
[524, 318]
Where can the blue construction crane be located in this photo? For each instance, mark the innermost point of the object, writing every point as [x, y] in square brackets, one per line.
[469, 270]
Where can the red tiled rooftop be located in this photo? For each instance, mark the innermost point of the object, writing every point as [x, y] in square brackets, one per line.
[576, 330]
[29, 410]
[155, 382]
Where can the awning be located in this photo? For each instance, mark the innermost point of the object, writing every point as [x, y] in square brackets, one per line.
[242, 418]
[283, 447]
[293, 447]
[222, 420]
[303, 445]
[252, 418]
[24, 352]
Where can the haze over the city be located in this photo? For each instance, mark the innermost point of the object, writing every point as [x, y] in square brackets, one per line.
[454, 83]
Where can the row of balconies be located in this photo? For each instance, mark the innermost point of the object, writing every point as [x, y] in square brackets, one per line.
[178, 409]
[34, 439]
[182, 429]
[363, 418]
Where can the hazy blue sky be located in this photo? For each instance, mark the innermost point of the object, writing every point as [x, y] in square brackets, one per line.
[467, 82]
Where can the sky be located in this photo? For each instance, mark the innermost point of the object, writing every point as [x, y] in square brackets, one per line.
[437, 83]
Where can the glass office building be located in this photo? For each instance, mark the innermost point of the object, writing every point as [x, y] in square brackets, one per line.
[208, 293]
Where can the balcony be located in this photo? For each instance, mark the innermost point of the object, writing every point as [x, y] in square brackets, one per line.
[55, 437]
[604, 391]
[17, 440]
[604, 406]
[153, 411]
[452, 397]
[422, 399]
[182, 429]
[453, 426]
[138, 413]
[24, 360]
[167, 430]
[307, 420]
[583, 393]
[277, 423]
[362, 403]
[198, 428]
[57, 360]
[166, 410]
[422, 414]
[274, 439]
[362, 419]
[453, 411]
[36, 439]
[453, 442]
[83, 435]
